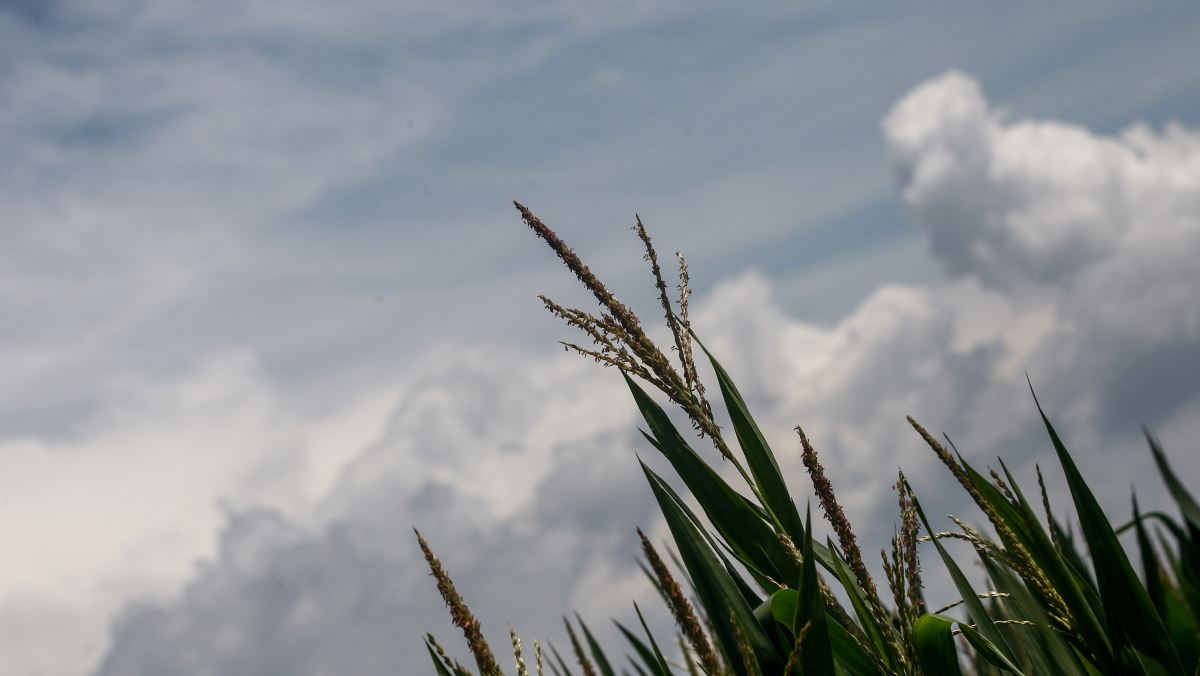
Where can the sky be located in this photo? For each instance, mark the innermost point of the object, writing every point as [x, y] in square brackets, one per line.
[267, 305]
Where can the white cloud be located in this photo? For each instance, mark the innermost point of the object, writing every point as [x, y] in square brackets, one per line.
[1102, 230]
[141, 171]
[128, 500]
[147, 173]
[520, 469]
[1014, 202]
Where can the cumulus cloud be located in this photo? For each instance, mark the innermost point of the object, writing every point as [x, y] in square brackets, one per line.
[1071, 258]
[520, 469]
[1013, 202]
[137, 177]
[520, 472]
[1102, 230]
[167, 168]
[167, 451]
[1069, 252]
[163, 295]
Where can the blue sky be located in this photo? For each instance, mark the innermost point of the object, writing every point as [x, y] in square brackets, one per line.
[267, 303]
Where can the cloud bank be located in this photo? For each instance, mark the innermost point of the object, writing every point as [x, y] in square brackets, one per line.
[1101, 231]
[518, 469]
[1070, 255]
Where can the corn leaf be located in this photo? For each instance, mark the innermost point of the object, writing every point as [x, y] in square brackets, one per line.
[1064, 568]
[759, 457]
[716, 589]
[849, 653]
[437, 661]
[975, 610]
[1079, 595]
[649, 658]
[1044, 649]
[858, 601]
[933, 638]
[1128, 610]
[597, 653]
[752, 539]
[815, 655]
[1187, 504]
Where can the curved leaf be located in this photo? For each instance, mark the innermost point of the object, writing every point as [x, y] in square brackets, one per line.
[933, 639]
[1128, 610]
[759, 457]
[718, 592]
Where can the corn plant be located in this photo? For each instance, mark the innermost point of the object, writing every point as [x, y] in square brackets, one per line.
[766, 597]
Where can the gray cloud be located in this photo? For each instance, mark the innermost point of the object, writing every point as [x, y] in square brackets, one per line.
[521, 470]
[531, 505]
[1010, 202]
[232, 235]
[1099, 230]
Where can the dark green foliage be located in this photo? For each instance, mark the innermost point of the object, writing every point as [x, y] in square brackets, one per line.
[933, 637]
[1115, 621]
[769, 592]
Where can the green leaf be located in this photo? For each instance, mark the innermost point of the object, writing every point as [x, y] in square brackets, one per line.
[1129, 612]
[933, 638]
[974, 607]
[858, 600]
[1044, 647]
[987, 650]
[1065, 570]
[1187, 504]
[566, 671]
[649, 659]
[717, 591]
[1151, 567]
[783, 607]
[662, 661]
[748, 592]
[1077, 592]
[735, 518]
[1183, 628]
[1181, 625]
[1163, 520]
[815, 656]
[437, 661]
[759, 457]
[849, 653]
[594, 647]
